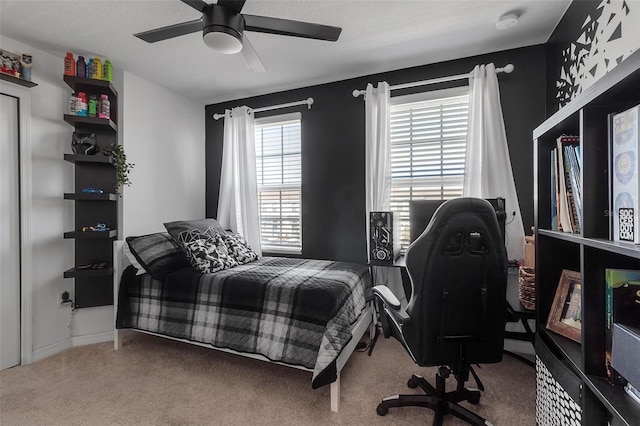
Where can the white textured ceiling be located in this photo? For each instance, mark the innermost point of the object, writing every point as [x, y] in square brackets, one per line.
[377, 36]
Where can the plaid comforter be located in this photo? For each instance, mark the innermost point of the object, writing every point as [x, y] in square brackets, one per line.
[295, 311]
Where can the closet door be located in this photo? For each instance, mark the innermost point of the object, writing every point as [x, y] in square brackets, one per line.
[9, 233]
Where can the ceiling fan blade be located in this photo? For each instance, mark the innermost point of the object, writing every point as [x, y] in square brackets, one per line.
[263, 24]
[235, 5]
[251, 57]
[170, 31]
[198, 5]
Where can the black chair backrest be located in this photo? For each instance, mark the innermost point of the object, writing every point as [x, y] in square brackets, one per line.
[458, 272]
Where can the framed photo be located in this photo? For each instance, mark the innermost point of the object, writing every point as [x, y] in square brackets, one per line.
[566, 311]
[10, 63]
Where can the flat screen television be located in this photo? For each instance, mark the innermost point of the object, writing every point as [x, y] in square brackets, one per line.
[421, 212]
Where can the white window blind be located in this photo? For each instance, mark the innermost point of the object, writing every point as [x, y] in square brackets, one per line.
[279, 174]
[428, 145]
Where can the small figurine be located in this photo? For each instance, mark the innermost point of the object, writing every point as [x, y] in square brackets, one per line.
[26, 62]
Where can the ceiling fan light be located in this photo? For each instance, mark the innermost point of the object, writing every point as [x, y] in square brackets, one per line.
[227, 42]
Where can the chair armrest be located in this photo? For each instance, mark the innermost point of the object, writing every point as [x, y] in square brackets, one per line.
[386, 295]
[392, 304]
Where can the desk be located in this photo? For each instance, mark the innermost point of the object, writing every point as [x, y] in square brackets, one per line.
[517, 311]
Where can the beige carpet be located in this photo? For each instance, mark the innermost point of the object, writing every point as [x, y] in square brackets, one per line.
[155, 381]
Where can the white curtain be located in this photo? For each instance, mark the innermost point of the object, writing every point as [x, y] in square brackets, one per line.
[377, 151]
[238, 200]
[488, 172]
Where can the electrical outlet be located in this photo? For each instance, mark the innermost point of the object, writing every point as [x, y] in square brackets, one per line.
[64, 298]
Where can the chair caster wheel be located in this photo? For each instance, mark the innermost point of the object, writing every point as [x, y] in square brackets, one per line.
[382, 410]
[412, 383]
[474, 399]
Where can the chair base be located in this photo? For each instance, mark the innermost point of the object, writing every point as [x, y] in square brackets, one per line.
[441, 402]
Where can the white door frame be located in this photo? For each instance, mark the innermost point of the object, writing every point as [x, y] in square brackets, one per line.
[26, 243]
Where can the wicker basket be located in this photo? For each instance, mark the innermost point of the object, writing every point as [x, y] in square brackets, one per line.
[527, 287]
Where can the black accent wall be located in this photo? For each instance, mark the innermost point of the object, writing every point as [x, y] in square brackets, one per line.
[567, 31]
[333, 144]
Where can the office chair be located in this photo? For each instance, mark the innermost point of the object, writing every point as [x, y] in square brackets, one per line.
[456, 314]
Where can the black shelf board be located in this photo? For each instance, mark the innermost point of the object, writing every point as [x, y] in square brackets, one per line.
[76, 120]
[598, 93]
[91, 234]
[616, 400]
[571, 350]
[566, 236]
[17, 80]
[94, 159]
[88, 273]
[84, 196]
[622, 248]
[82, 84]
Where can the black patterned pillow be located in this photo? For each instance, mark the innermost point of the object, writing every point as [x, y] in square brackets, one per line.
[210, 227]
[157, 253]
[239, 249]
[207, 254]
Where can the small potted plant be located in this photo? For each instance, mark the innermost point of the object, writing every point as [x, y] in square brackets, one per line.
[123, 168]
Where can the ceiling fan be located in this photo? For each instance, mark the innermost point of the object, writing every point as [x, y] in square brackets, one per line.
[223, 28]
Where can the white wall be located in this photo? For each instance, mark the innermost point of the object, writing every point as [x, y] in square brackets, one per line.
[51, 177]
[163, 134]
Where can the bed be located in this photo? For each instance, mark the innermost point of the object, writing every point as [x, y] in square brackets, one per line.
[303, 313]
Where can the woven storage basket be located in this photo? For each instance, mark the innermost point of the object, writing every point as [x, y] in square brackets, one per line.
[527, 287]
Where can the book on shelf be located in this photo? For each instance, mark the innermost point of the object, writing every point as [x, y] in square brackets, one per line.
[623, 307]
[566, 175]
[624, 155]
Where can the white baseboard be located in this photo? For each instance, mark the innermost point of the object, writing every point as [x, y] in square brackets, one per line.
[49, 350]
[89, 339]
[65, 344]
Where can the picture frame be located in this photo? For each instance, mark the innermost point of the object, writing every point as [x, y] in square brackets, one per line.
[10, 63]
[566, 311]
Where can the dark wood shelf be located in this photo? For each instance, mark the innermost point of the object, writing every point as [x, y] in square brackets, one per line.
[589, 116]
[78, 120]
[89, 85]
[93, 159]
[572, 351]
[102, 235]
[85, 196]
[88, 273]
[618, 403]
[622, 248]
[16, 80]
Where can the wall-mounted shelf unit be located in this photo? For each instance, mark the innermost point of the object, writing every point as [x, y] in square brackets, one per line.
[88, 273]
[76, 120]
[581, 367]
[16, 80]
[83, 196]
[93, 287]
[93, 159]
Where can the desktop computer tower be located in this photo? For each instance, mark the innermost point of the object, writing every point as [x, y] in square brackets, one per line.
[384, 237]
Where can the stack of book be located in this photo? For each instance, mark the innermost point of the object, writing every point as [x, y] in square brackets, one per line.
[566, 191]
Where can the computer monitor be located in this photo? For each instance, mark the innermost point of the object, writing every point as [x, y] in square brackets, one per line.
[421, 212]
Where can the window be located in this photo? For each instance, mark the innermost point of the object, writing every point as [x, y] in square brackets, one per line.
[279, 170]
[428, 145]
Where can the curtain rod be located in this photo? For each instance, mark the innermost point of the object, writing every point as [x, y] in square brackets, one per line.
[308, 102]
[507, 69]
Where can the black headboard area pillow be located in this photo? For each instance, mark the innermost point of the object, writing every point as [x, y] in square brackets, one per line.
[421, 211]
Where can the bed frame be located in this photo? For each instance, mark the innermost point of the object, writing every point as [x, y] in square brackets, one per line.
[366, 321]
